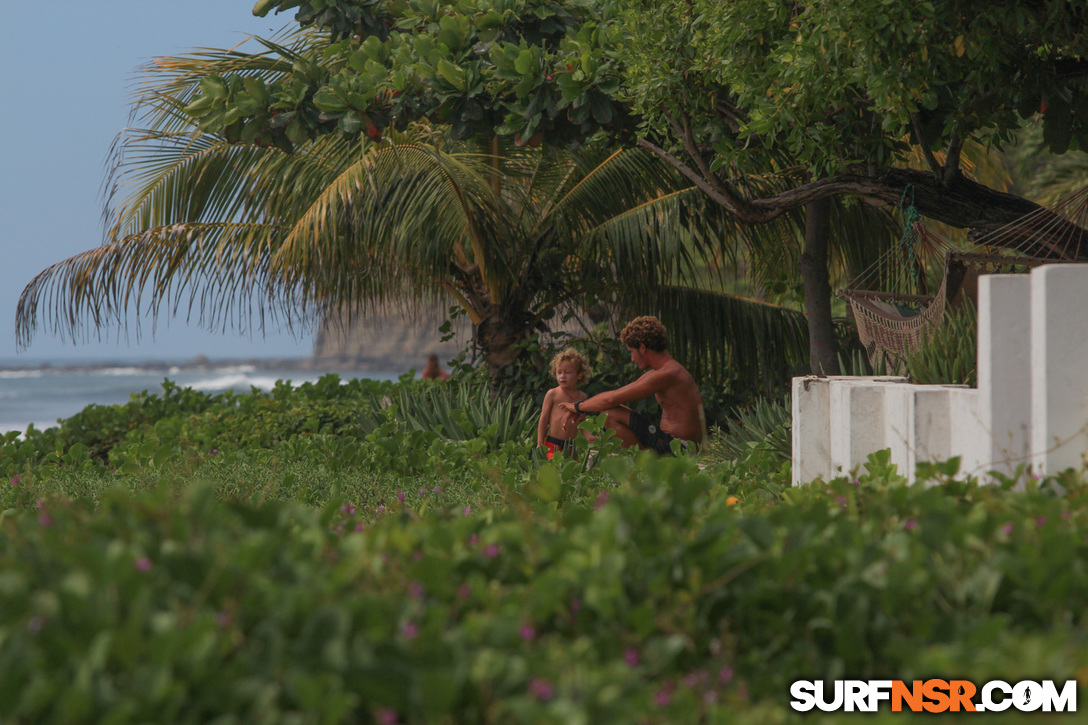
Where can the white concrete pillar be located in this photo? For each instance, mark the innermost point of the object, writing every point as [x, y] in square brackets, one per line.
[930, 434]
[857, 413]
[898, 421]
[1004, 370]
[811, 430]
[1059, 382]
[968, 439]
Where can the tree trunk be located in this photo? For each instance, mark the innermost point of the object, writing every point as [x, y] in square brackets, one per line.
[822, 351]
[497, 340]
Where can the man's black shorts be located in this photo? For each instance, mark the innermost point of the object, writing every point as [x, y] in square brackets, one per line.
[648, 434]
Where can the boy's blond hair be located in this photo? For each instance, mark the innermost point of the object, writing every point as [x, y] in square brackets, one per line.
[578, 358]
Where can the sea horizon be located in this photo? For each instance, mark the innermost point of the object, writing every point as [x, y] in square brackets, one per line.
[42, 392]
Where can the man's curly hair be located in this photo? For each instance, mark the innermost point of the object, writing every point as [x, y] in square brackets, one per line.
[646, 330]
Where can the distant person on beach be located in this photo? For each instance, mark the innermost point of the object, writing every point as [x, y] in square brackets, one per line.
[556, 429]
[682, 415]
[432, 370]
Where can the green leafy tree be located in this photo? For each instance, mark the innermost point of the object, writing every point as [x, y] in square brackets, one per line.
[349, 223]
[829, 98]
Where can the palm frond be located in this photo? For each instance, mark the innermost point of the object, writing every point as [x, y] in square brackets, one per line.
[719, 336]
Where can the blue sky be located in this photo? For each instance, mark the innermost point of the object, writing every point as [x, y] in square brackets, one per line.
[67, 68]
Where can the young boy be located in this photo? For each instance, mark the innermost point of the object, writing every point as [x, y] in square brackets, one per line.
[555, 429]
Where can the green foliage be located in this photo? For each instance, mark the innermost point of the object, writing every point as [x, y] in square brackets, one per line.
[949, 355]
[763, 425]
[531, 68]
[659, 592]
[457, 409]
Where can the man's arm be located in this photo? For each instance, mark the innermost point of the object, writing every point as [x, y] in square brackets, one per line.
[651, 382]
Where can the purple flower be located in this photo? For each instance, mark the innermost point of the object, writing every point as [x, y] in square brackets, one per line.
[464, 591]
[725, 675]
[409, 631]
[857, 482]
[528, 633]
[630, 656]
[1066, 515]
[348, 509]
[380, 509]
[910, 524]
[437, 489]
[664, 696]
[387, 716]
[45, 519]
[1007, 528]
[841, 500]
[491, 551]
[1041, 521]
[415, 590]
[143, 564]
[468, 510]
[359, 526]
[602, 499]
[473, 539]
[693, 679]
[16, 480]
[400, 496]
[422, 492]
[541, 689]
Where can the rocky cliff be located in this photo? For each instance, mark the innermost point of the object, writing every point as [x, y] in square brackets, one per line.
[390, 341]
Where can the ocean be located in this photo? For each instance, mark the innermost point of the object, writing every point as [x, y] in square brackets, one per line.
[45, 394]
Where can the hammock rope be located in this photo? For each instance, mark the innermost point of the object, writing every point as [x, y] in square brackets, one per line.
[893, 313]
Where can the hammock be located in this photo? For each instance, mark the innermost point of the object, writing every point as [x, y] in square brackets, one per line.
[895, 320]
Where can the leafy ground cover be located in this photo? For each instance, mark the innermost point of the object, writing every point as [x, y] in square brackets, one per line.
[305, 556]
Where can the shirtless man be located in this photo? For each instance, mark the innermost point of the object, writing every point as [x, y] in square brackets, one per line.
[667, 380]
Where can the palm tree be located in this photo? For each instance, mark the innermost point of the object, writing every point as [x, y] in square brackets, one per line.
[229, 228]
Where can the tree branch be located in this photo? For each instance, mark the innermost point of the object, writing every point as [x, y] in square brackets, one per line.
[960, 202]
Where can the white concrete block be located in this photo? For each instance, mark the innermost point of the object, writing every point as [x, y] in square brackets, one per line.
[898, 421]
[857, 413]
[811, 429]
[1004, 370]
[1059, 383]
[930, 435]
[968, 439]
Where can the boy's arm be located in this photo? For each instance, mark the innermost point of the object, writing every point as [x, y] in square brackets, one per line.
[545, 418]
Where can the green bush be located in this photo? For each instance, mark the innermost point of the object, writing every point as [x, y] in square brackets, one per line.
[765, 425]
[676, 595]
[950, 354]
[458, 409]
[406, 575]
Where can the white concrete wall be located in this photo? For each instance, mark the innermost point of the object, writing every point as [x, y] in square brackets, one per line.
[1059, 361]
[1031, 404]
[1004, 374]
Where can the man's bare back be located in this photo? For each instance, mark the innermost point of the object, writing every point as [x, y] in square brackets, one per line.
[682, 414]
